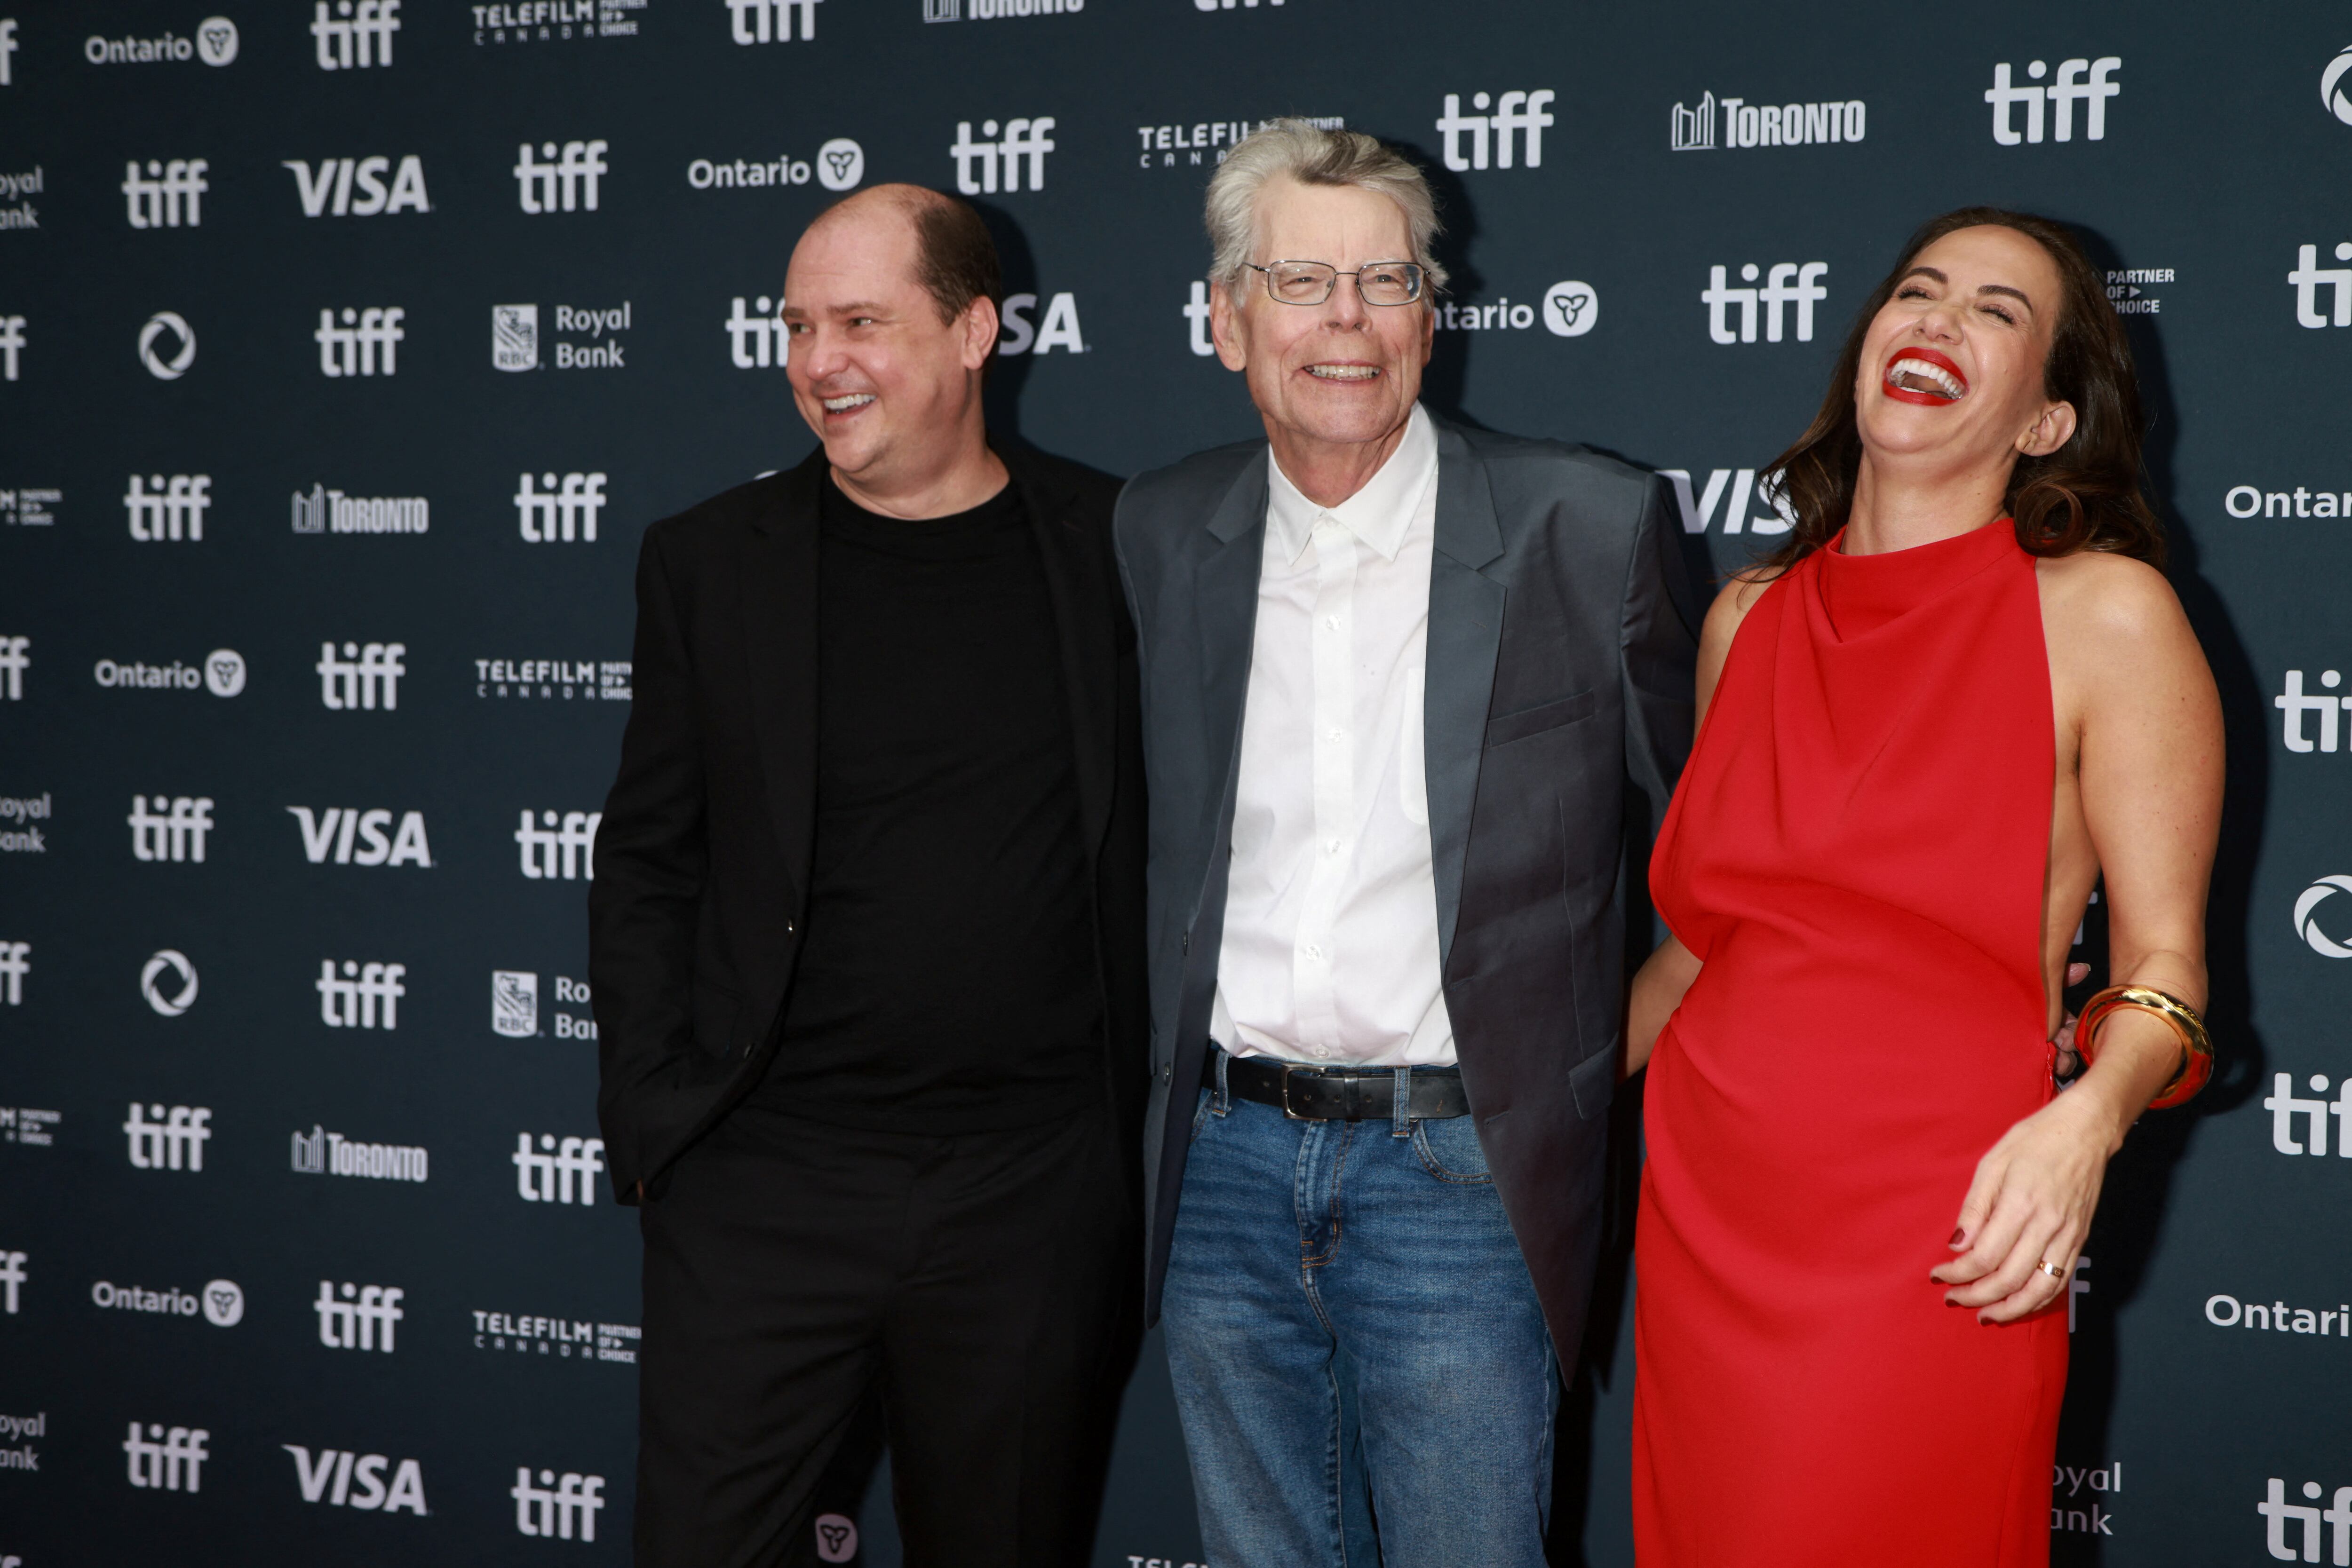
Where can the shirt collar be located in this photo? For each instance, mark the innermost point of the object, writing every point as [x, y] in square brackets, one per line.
[1380, 514]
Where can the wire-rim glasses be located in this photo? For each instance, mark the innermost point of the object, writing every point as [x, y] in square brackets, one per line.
[1312, 282]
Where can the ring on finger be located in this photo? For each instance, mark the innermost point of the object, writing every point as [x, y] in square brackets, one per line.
[2047, 1266]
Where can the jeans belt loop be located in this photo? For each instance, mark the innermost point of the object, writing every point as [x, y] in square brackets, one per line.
[1400, 1110]
[1223, 1100]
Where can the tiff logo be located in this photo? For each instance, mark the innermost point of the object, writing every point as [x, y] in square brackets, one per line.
[753, 341]
[1517, 123]
[7, 50]
[2281, 1514]
[2307, 278]
[334, 830]
[2294, 703]
[1023, 138]
[173, 509]
[2072, 86]
[173, 1141]
[2284, 1106]
[329, 191]
[16, 658]
[550, 514]
[167, 1462]
[15, 963]
[351, 348]
[771, 21]
[361, 676]
[1789, 283]
[12, 1277]
[352, 1000]
[330, 1475]
[157, 198]
[350, 1316]
[355, 38]
[173, 831]
[566, 853]
[550, 1514]
[567, 183]
[564, 1173]
[12, 342]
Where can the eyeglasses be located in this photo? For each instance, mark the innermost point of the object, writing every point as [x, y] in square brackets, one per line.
[1312, 282]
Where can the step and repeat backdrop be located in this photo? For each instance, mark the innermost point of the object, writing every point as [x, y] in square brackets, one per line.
[347, 347]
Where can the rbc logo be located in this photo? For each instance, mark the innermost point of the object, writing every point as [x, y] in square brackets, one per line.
[514, 1003]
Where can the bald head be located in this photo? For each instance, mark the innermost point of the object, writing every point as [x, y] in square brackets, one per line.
[954, 258]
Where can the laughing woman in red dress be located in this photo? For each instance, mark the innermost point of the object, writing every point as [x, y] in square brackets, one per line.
[1960, 695]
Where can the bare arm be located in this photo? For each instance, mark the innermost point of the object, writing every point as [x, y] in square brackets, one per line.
[1664, 977]
[2136, 698]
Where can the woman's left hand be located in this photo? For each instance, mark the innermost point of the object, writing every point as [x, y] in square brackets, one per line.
[2031, 1201]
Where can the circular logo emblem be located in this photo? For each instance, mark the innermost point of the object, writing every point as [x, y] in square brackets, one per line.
[1569, 309]
[837, 1538]
[168, 967]
[217, 46]
[223, 672]
[2306, 916]
[2339, 104]
[840, 163]
[162, 368]
[223, 1303]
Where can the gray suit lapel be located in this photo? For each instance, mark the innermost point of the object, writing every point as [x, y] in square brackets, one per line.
[1225, 571]
[1466, 631]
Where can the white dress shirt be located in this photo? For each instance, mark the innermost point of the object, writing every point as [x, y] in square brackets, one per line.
[1329, 952]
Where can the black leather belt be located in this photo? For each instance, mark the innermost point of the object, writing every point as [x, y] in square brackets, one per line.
[1339, 1093]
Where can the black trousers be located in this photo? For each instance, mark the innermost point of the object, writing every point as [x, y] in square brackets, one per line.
[986, 1285]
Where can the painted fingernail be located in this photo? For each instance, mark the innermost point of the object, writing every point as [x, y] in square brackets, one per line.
[1958, 1235]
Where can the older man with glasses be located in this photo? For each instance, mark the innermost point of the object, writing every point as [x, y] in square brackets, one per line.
[1415, 695]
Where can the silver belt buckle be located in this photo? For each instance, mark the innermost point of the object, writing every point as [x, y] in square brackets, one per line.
[1289, 1115]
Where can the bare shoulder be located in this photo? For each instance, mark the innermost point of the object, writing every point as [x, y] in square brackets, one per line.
[2110, 606]
[1732, 602]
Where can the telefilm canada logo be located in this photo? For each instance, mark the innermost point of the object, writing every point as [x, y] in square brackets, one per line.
[553, 679]
[558, 1339]
[839, 165]
[23, 1125]
[555, 21]
[2083, 81]
[1205, 142]
[1744, 124]
[355, 187]
[30, 507]
[515, 337]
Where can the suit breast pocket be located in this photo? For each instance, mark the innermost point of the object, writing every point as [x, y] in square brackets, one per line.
[1528, 722]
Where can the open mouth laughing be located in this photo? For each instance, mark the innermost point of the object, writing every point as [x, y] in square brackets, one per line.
[848, 402]
[1923, 376]
[1343, 370]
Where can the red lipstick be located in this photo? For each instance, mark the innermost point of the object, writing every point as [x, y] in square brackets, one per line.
[1938, 398]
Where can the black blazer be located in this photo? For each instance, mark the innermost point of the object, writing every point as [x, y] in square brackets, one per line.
[700, 895]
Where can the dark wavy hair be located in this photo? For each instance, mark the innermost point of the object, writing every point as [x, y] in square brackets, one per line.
[2087, 495]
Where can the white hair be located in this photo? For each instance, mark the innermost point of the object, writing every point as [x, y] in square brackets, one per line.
[1301, 151]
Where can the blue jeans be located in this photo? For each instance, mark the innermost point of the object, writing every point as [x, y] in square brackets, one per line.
[1358, 1356]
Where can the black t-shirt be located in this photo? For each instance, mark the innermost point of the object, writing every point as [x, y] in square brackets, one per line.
[947, 978]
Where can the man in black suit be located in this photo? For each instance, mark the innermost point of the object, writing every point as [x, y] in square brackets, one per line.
[865, 943]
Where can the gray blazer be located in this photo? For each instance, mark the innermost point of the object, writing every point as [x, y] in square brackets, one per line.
[1563, 644]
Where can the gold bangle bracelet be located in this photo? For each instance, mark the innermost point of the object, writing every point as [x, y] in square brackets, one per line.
[2196, 1044]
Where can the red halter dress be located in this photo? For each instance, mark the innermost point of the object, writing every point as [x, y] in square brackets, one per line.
[1857, 853]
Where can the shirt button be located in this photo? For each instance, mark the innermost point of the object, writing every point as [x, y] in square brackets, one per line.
[1330, 846]
[1331, 621]
[1322, 1050]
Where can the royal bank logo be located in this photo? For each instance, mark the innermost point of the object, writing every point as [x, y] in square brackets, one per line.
[553, 680]
[555, 21]
[174, 509]
[362, 995]
[565, 181]
[559, 509]
[16, 964]
[1745, 124]
[354, 36]
[2070, 1510]
[1727, 493]
[994, 162]
[167, 1458]
[347, 835]
[168, 981]
[1789, 283]
[12, 344]
[321, 1153]
[770, 21]
[365, 675]
[1514, 129]
[170, 192]
[2299, 1125]
[169, 1139]
[222, 674]
[26, 837]
[514, 1003]
[17, 187]
[325, 511]
[167, 346]
[170, 827]
[514, 337]
[358, 1317]
[2085, 81]
[559, 1339]
[341, 1479]
[1056, 329]
[214, 43]
[2309, 278]
[355, 187]
[27, 507]
[2278, 1515]
[360, 341]
[562, 849]
[839, 165]
[2306, 916]
[556, 1509]
[558, 1170]
[2296, 705]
